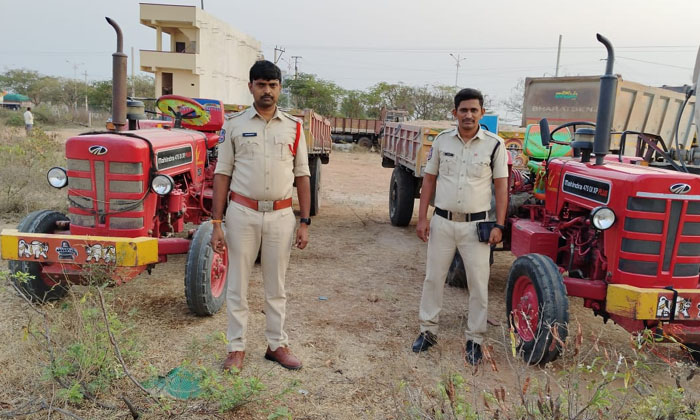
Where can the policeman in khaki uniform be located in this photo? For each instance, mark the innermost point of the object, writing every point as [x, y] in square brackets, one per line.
[463, 162]
[263, 154]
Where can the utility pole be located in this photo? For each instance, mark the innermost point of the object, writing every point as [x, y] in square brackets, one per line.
[556, 72]
[296, 69]
[277, 57]
[457, 60]
[75, 81]
[202, 4]
[87, 111]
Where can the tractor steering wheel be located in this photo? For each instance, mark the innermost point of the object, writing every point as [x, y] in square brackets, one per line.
[183, 108]
[566, 125]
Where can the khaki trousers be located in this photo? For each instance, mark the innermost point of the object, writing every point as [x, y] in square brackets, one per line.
[246, 229]
[445, 237]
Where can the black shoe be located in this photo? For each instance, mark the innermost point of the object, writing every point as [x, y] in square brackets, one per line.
[473, 353]
[425, 340]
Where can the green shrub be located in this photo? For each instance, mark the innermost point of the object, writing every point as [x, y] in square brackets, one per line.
[15, 120]
[43, 115]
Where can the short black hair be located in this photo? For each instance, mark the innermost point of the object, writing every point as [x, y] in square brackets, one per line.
[467, 94]
[29, 108]
[265, 70]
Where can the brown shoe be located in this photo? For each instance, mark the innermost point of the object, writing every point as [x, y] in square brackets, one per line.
[284, 357]
[234, 359]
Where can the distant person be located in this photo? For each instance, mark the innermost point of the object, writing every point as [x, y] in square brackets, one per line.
[263, 155]
[28, 120]
[461, 166]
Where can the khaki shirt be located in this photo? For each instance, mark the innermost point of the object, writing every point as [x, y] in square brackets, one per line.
[257, 155]
[463, 170]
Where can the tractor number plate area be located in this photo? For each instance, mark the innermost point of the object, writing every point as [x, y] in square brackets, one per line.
[75, 249]
[646, 304]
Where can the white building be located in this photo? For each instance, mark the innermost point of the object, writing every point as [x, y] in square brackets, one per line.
[205, 58]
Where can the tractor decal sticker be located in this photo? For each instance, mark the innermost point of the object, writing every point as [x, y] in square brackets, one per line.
[222, 136]
[33, 249]
[174, 157]
[99, 252]
[588, 188]
[66, 252]
[683, 306]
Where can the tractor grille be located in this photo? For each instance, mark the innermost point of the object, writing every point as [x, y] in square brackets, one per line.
[661, 237]
[110, 201]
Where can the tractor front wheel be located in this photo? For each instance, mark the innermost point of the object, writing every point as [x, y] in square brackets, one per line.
[38, 286]
[537, 307]
[205, 274]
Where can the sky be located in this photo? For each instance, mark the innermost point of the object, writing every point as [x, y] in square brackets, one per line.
[359, 43]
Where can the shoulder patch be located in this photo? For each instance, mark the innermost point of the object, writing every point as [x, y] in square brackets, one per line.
[234, 115]
[449, 131]
[291, 117]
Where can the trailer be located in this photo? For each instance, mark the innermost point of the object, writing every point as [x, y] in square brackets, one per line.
[364, 132]
[317, 130]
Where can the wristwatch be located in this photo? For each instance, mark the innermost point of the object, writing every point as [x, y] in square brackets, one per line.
[305, 220]
[503, 228]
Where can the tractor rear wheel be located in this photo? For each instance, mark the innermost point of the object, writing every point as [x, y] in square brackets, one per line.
[402, 192]
[537, 307]
[315, 182]
[457, 275]
[39, 287]
[205, 274]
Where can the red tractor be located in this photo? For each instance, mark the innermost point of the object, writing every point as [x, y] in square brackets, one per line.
[130, 192]
[620, 234]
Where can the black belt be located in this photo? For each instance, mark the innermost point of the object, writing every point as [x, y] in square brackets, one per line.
[460, 217]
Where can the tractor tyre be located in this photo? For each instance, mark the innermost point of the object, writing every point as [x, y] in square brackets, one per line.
[205, 274]
[694, 350]
[315, 182]
[537, 307]
[39, 287]
[365, 142]
[402, 192]
[457, 275]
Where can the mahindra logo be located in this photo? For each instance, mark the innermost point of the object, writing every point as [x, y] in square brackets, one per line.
[680, 188]
[101, 150]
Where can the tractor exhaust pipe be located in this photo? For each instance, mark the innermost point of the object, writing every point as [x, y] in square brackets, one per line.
[118, 81]
[606, 105]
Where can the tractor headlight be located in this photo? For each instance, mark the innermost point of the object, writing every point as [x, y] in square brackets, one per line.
[602, 218]
[57, 177]
[162, 184]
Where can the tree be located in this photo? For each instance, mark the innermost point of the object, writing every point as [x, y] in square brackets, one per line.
[19, 80]
[433, 102]
[144, 86]
[514, 103]
[308, 91]
[100, 95]
[353, 104]
[392, 96]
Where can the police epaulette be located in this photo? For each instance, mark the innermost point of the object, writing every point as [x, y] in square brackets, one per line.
[234, 115]
[291, 117]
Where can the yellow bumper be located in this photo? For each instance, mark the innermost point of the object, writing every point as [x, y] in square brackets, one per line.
[77, 249]
[648, 304]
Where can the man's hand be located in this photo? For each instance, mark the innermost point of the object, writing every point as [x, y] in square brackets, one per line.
[496, 236]
[423, 229]
[218, 241]
[302, 236]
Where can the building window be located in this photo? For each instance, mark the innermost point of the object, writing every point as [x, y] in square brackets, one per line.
[167, 84]
[180, 47]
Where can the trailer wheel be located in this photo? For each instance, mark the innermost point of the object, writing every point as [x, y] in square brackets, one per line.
[537, 307]
[39, 287]
[315, 181]
[401, 197]
[365, 142]
[457, 275]
[205, 274]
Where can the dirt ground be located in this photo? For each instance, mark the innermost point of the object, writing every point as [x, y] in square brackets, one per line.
[352, 313]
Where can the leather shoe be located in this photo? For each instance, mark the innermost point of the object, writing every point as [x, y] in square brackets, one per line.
[235, 360]
[425, 340]
[284, 357]
[473, 355]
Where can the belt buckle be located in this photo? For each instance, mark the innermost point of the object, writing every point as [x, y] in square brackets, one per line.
[266, 205]
[460, 217]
